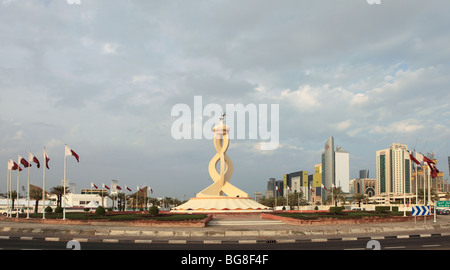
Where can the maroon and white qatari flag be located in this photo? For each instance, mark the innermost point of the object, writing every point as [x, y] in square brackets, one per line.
[24, 162]
[32, 158]
[47, 159]
[70, 152]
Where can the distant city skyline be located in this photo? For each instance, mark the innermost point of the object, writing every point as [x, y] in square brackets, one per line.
[103, 77]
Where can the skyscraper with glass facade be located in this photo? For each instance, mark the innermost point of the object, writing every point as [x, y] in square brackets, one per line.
[394, 170]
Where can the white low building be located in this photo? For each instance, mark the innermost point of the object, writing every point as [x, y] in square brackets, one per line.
[87, 201]
[72, 200]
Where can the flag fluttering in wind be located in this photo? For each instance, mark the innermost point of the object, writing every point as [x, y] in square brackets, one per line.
[10, 164]
[105, 186]
[93, 185]
[323, 186]
[432, 166]
[24, 162]
[32, 158]
[15, 167]
[70, 152]
[47, 159]
[279, 191]
[127, 188]
[118, 187]
[151, 190]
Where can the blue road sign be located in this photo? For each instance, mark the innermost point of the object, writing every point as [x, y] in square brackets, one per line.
[421, 210]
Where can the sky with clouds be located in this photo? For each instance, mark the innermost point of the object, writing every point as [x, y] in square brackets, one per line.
[103, 76]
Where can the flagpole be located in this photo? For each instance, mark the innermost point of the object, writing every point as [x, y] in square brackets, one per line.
[125, 198]
[43, 185]
[8, 172]
[64, 187]
[429, 185]
[275, 196]
[10, 192]
[18, 169]
[417, 184]
[28, 189]
[404, 188]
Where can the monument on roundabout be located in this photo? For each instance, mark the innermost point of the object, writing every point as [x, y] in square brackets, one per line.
[221, 196]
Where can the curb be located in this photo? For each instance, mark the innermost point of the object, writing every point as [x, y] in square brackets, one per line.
[224, 233]
[217, 242]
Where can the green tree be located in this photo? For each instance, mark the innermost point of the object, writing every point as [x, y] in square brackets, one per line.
[358, 198]
[270, 202]
[113, 198]
[59, 192]
[121, 203]
[36, 194]
[434, 195]
[296, 199]
[336, 195]
[13, 198]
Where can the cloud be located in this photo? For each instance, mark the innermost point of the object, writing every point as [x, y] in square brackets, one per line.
[77, 74]
[402, 127]
[359, 100]
[109, 48]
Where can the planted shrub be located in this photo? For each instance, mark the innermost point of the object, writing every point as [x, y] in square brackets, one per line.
[336, 210]
[100, 211]
[385, 209]
[58, 209]
[48, 209]
[153, 210]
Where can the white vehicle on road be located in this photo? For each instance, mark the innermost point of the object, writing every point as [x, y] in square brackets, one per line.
[13, 212]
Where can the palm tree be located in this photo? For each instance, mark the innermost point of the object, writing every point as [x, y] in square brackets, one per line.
[336, 195]
[13, 198]
[113, 197]
[434, 195]
[36, 194]
[59, 192]
[122, 197]
[359, 198]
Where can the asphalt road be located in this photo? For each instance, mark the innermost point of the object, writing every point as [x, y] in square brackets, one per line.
[410, 243]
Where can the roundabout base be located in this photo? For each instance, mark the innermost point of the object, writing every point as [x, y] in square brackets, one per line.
[221, 205]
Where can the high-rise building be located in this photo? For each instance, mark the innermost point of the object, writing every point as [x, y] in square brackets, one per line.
[394, 170]
[328, 176]
[335, 166]
[363, 174]
[270, 192]
[342, 169]
[317, 178]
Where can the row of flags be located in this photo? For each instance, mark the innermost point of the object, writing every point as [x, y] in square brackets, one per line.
[119, 188]
[421, 159]
[32, 158]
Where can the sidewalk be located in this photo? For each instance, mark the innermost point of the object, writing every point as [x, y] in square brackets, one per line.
[229, 228]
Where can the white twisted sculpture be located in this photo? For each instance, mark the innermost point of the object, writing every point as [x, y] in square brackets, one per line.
[221, 179]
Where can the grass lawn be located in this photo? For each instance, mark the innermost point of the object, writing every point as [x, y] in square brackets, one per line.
[120, 217]
[343, 215]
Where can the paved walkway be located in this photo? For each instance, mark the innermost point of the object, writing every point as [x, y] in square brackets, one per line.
[251, 228]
